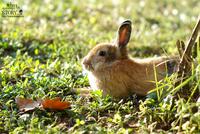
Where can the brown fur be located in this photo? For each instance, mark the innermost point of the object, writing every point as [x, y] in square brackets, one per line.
[125, 77]
[118, 75]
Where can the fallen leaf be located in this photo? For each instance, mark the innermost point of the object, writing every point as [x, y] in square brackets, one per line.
[26, 104]
[55, 104]
[29, 104]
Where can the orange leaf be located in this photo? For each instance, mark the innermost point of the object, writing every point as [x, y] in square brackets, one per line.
[27, 104]
[55, 104]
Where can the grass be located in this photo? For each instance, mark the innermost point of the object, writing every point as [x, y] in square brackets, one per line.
[40, 57]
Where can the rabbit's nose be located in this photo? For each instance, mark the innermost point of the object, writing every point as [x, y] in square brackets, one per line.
[86, 62]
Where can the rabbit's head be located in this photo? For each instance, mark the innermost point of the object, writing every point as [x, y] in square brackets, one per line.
[104, 54]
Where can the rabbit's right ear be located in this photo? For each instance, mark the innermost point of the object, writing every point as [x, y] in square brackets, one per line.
[124, 34]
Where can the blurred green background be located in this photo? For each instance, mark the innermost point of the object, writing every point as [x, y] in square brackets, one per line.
[156, 24]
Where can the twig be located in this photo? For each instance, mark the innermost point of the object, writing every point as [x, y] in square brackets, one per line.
[185, 64]
[185, 61]
[181, 47]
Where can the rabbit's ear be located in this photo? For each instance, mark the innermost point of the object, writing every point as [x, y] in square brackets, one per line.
[124, 34]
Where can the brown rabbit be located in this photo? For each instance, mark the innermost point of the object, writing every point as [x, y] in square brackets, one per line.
[110, 68]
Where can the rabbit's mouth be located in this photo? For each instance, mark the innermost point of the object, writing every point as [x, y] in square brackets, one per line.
[88, 67]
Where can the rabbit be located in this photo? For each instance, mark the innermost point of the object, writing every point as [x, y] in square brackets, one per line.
[110, 68]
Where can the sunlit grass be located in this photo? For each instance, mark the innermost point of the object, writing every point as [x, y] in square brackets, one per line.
[40, 56]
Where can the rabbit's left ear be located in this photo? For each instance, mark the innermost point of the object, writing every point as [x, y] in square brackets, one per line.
[124, 34]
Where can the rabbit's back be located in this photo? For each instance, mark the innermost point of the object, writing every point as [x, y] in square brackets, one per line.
[125, 77]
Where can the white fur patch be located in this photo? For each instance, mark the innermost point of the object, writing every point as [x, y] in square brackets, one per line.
[92, 80]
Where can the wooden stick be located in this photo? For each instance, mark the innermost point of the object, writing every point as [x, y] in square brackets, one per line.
[181, 47]
[185, 62]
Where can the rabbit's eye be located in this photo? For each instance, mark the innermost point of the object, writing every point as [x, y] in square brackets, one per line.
[102, 53]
